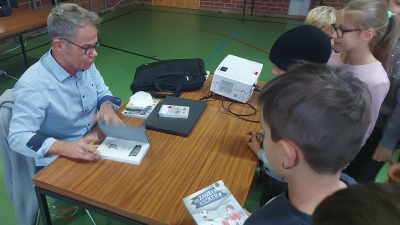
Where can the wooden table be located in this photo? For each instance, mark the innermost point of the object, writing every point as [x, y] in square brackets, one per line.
[173, 168]
[22, 21]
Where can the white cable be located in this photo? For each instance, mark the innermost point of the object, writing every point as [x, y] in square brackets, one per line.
[25, 43]
[12, 77]
[112, 7]
[115, 5]
[3, 73]
[39, 33]
[2, 53]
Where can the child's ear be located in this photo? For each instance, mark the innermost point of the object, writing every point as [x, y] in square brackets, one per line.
[368, 35]
[291, 153]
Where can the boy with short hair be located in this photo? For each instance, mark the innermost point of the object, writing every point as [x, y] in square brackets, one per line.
[314, 118]
[305, 43]
[361, 204]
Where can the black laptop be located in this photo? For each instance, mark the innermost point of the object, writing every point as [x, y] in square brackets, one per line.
[176, 126]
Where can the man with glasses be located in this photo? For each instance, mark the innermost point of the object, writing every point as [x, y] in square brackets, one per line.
[59, 99]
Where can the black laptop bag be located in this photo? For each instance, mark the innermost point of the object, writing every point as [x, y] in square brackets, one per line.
[172, 76]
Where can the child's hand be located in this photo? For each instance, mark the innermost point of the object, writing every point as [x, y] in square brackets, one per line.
[254, 143]
[382, 154]
[247, 212]
[260, 136]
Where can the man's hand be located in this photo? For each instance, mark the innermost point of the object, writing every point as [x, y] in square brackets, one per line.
[107, 114]
[81, 149]
[253, 142]
[96, 135]
[382, 154]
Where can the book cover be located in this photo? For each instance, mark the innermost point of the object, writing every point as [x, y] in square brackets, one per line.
[215, 205]
[123, 150]
[141, 113]
[125, 143]
[174, 111]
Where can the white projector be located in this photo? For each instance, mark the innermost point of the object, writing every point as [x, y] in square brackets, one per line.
[235, 78]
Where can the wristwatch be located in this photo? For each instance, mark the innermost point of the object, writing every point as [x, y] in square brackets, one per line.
[109, 104]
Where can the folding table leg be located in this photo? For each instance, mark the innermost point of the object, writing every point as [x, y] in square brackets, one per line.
[21, 41]
[44, 209]
[244, 10]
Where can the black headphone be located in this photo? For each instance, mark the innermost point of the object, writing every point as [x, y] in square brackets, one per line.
[5, 10]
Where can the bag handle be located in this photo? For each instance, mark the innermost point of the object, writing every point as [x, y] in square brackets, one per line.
[175, 93]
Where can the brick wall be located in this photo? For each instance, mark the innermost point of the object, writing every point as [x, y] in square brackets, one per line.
[98, 5]
[338, 4]
[113, 3]
[262, 7]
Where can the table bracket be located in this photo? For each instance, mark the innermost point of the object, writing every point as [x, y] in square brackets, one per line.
[45, 214]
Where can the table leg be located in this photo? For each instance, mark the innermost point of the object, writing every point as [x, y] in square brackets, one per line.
[34, 5]
[105, 6]
[21, 41]
[91, 5]
[41, 196]
[44, 209]
[252, 8]
[244, 10]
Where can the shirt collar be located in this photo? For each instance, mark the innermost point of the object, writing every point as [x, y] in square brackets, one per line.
[56, 69]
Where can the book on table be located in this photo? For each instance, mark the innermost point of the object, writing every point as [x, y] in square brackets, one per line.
[124, 143]
[140, 105]
[215, 205]
[140, 112]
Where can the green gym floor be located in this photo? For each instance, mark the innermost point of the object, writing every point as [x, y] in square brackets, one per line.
[135, 35]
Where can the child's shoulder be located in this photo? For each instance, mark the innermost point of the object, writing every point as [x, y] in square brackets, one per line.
[372, 74]
[347, 179]
[335, 60]
[278, 211]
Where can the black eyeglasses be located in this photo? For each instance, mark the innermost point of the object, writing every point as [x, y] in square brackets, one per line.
[88, 50]
[340, 31]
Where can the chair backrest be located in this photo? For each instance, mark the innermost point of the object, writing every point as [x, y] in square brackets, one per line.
[18, 169]
[6, 103]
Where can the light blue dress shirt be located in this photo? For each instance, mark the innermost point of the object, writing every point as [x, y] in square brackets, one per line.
[51, 105]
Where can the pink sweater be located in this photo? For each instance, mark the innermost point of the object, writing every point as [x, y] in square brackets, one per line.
[375, 76]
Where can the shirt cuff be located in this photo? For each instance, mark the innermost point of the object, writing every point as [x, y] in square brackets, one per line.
[46, 146]
[388, 142]
[114, 100]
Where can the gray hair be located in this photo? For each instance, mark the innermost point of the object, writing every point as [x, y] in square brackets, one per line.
[65, 20]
